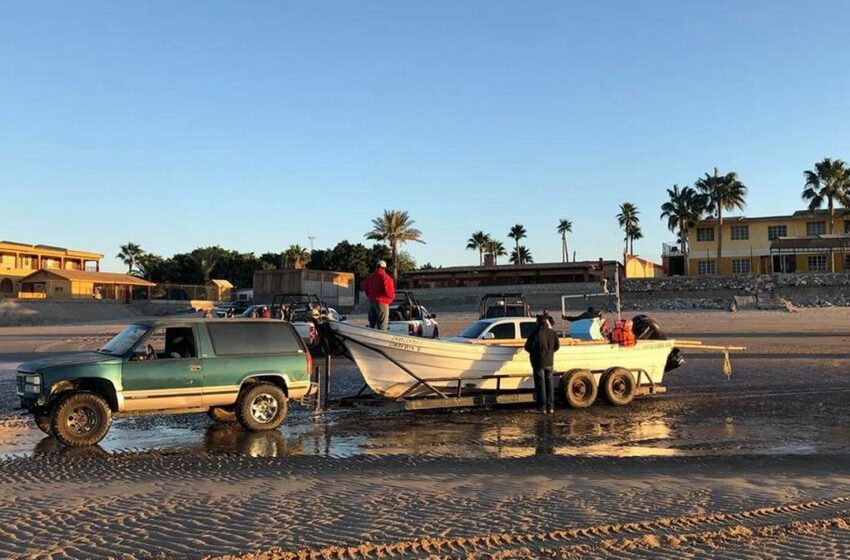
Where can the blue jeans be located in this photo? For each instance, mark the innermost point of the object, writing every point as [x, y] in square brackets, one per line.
[544, 392]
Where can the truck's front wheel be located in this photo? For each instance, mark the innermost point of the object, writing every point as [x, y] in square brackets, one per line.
[42, 420]
[80, 419]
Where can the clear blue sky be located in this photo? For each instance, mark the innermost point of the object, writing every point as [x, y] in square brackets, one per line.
[254, 125]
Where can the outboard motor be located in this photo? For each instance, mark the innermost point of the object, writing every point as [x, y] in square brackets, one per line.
[674, 360]
[646, 328]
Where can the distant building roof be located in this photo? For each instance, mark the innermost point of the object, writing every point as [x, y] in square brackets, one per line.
[797, 214]
[16, 246]
[220, 283]
[580, 265]
[95, 277]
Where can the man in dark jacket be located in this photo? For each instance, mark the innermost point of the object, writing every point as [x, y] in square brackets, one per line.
[380, 289]
[541, 346]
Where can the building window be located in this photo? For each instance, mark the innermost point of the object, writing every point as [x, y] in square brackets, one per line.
[846, 226]
[705, 234]
[740, 233]
[815, 228]
[740, 266]
[775, 232]
[817, 263]
[705, 267]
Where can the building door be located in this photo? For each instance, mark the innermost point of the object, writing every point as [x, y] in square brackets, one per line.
[784, 263]
[7, 287]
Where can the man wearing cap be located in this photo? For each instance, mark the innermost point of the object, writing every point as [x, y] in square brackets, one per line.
[380, 289]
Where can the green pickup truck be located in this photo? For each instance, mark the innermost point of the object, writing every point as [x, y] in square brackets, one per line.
[241, 371]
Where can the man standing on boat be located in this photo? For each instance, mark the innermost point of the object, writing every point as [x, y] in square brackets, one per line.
[380, 289]
[541, 346]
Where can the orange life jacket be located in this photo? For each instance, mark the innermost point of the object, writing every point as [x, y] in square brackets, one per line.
[622, 333]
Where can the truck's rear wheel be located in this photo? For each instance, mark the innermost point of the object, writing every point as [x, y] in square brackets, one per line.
[620, 386]
[223, 415]
[579, 388]
[80, 419]
[262, 406]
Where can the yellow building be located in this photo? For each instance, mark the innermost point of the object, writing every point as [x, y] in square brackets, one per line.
[219, 290]
[79, 284]
[799, 242]
[637, 267]
[18, 260]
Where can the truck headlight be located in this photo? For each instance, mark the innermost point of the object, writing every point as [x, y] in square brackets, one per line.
[32, 379]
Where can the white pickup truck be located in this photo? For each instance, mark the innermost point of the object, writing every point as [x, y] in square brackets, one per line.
[497, 328]
[408, 317]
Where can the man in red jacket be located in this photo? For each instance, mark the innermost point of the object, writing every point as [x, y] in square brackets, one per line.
[380, 289]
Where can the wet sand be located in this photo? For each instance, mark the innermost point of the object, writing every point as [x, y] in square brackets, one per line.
[755, 466]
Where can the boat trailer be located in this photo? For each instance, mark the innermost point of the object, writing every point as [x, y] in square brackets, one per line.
[422, 395]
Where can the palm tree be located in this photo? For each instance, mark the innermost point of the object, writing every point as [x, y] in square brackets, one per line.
[830, 182]
[295, 256]
[564, 226]
[721, 192]
[495, 249]
[476, 243]
[682, 210]
[394, 227]
[521, 255]
[634, 232]
[628, 220]
[129, 255]
[517, 233]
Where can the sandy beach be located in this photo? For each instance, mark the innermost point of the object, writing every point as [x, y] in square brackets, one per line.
[754, 466]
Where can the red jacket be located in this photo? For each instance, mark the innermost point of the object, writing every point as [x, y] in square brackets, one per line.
[380, 287]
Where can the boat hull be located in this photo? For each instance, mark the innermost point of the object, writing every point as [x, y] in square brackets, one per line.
[383, 357]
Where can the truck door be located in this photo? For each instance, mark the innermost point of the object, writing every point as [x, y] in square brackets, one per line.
[164, 371]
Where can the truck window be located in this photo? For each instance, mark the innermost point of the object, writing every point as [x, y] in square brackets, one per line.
[168, 343]
[526, 328]
[504, 331]
[240, 339]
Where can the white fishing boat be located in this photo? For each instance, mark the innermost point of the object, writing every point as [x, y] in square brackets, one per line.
[395, 365]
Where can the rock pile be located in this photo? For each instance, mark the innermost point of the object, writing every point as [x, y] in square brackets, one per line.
[744, 283]
[768, 291]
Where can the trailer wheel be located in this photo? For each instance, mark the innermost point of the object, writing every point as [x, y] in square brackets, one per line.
[579, 387]
[620, 386]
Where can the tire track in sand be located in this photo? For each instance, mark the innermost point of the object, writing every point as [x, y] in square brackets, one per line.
[697, 531]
